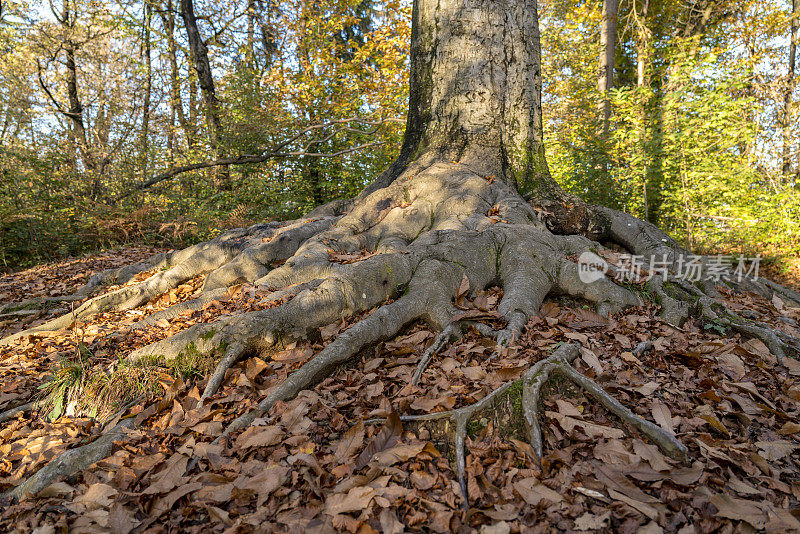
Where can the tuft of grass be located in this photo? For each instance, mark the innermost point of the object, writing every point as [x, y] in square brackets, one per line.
[62, 388]
[79, 389]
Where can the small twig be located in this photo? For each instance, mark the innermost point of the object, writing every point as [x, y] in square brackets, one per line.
[451, 332]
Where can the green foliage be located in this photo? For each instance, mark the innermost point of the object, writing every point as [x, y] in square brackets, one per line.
[695, 142]
[291, 66]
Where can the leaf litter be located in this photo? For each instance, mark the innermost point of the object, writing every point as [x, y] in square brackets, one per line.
[339, 458]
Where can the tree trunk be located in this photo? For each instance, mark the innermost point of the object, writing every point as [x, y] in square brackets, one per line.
[475, 89]
[175, 100]
[148, 88]
[250, 54]
[75, 111]
[789, 92]
[605, 75]
[642, 44]
[205, 79]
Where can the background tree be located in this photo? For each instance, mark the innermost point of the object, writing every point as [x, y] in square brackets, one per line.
[697, 118]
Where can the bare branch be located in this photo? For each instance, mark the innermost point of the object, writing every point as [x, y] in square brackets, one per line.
[278, 151]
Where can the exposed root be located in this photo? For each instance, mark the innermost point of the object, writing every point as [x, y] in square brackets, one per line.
[381, 324]
[72, 461]
[701, 297]
[452, 332]
[779, 343]
[13, 412]
[531, 383]
[673, 311]
[232, 355]
[413, 240]
[228, 259]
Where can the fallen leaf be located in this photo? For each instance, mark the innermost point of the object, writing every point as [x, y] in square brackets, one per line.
[739, 509]
[639, 506]
[662, 416]
[261, 436]
[97, 496]
[775, 450]
[120, 520]
[533, 492]
[591, 429]
[589, 521]
[350, 442]
[388, 435]
[354, 500]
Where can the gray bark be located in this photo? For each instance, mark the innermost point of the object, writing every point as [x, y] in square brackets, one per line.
[605, 75]
[176, 102]
[476, 89]
[789, 91]
[205, 79]
[148, 88]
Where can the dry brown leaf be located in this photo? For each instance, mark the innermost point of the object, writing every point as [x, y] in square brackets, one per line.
[260, 436]
[712, 420]
[426, 404]
[589, 521]
[265, 482]
[97, 496]
[350, 442]
[789, 428]
[591, 429]
[170, 476]
[639, 506]
[739, 509]
[120, 520]
[403, 452]
[662, 416]
[776, 450]
[354, 500]
[388, 435]
[534, 492]
[592, 360]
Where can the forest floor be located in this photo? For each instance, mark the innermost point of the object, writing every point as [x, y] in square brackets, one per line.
[326, 461]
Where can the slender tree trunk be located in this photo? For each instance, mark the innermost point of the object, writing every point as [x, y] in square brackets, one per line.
[205, 79]
[175, 100]
[605, 75]
[75, 107]
[642, 44]
[789, 92]
[251, 17]
[268, 37]
[75, 112]
[148, 87]
[193, 100]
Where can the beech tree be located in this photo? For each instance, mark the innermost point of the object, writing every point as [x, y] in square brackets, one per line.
[468, 203]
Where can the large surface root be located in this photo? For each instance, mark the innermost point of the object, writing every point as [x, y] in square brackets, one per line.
[531, 384]
[402, 251]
